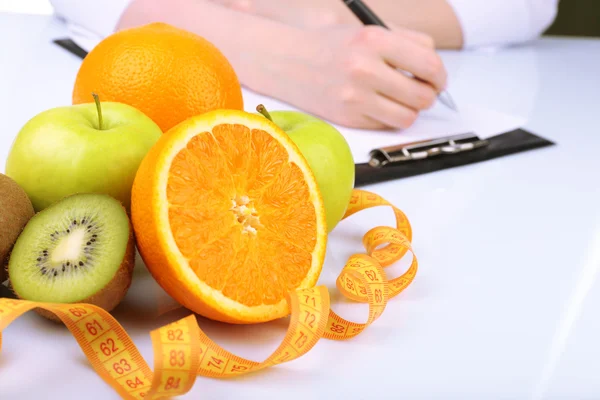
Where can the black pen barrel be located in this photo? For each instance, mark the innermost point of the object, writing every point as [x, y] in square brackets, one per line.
[364, 13]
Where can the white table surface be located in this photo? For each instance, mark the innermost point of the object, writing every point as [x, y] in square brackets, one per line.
[505, 304]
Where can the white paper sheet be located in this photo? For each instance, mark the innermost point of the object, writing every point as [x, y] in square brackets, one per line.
[434, 123]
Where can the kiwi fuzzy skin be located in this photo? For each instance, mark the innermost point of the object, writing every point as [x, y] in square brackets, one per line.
[114, 292]
[15, 211]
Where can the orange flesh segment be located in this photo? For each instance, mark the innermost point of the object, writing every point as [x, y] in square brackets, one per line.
[241, 214]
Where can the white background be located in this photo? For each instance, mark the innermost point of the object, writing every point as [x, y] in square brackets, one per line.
[26, 6]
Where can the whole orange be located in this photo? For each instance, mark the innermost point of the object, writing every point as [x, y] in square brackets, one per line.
[167, 73]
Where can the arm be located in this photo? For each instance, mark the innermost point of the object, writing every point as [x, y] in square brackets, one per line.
[433, 17]
[453, 24]
[246, 40]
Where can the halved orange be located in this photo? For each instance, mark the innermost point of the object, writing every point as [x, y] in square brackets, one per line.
[228, 216]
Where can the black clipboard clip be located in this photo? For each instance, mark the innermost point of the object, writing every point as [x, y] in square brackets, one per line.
[427, 156]
[392, 155]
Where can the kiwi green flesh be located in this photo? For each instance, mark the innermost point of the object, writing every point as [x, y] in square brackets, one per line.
[112, 294]
[70, 251]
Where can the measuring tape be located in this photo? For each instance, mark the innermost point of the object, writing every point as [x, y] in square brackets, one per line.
[182, 351]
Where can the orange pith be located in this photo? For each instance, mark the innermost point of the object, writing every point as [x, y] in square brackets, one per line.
[236, 217]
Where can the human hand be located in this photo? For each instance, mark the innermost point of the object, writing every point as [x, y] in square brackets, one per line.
[349, 75]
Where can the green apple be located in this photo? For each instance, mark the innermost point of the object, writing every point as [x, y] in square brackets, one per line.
[85, 148]
[328, 154]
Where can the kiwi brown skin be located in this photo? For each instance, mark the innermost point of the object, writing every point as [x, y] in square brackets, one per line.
[114, 292]
[15, 211]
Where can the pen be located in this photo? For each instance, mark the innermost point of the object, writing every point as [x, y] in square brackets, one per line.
[368, 17]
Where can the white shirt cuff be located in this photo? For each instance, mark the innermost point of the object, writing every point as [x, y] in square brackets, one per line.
[90, 21]
[502, 22]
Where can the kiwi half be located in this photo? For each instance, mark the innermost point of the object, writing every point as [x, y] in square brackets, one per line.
[78, 250]
[15, 211]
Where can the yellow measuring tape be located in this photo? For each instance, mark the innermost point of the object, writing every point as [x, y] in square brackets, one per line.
[182, 351]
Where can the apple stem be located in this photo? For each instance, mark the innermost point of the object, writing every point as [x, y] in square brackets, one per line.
[99, 109]
[263, 110]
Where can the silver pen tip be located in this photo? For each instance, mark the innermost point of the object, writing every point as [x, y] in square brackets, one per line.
[446, 99]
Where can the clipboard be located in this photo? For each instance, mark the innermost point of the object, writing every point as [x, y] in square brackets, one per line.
[418, 158]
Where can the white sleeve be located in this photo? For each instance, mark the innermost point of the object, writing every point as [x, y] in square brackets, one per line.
[89, 21]
[502, 22]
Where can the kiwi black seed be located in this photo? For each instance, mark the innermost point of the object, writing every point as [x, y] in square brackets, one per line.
[15, 210]
[54, 260]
